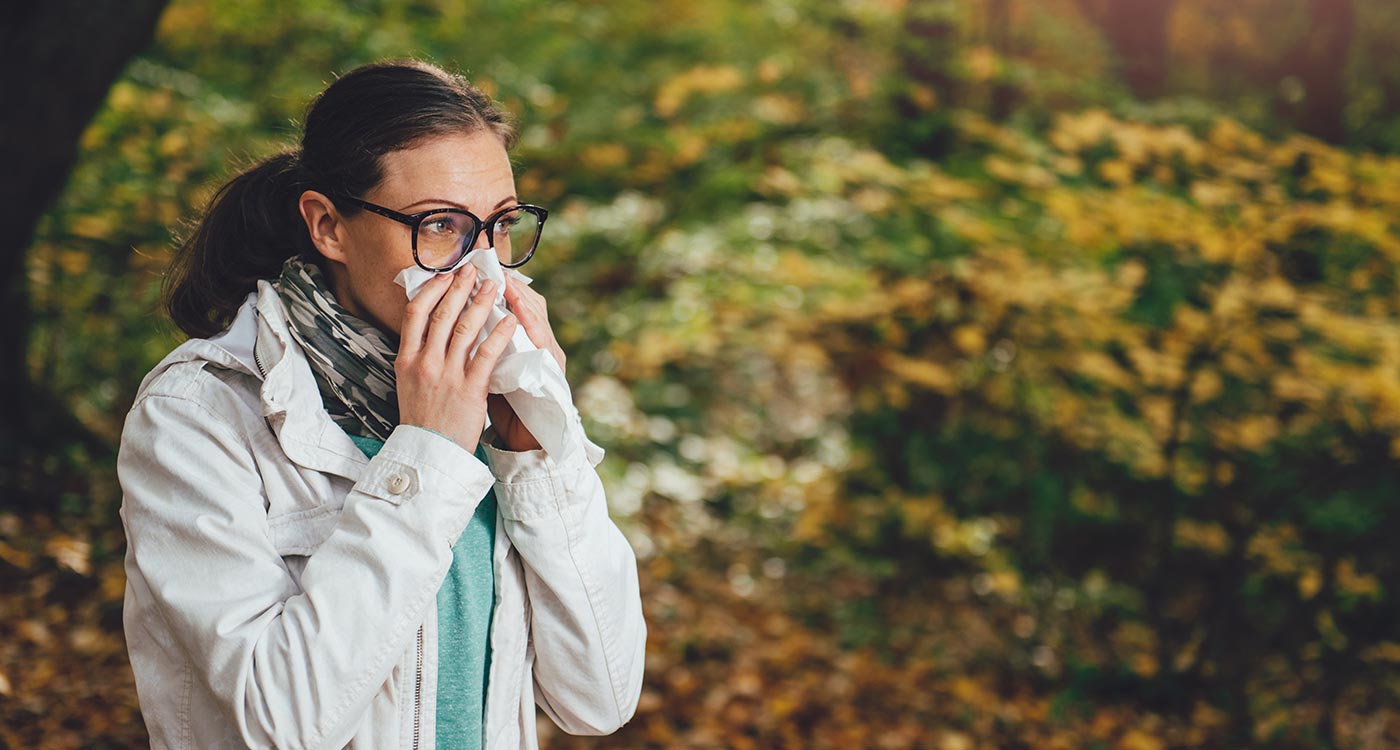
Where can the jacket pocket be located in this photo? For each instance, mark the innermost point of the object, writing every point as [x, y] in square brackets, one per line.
[302, 532]
[296, 536]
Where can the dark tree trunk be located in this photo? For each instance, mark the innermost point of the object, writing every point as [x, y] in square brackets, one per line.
[1319, 63]
[1004, 95]
[926, 52]
[1137, 31]
[58, 58]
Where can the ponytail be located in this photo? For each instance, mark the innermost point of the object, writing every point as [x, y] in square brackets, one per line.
[251, 228]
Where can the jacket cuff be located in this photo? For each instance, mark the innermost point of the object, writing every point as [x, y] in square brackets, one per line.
[516, 467]
[418, 459]
[531, 484]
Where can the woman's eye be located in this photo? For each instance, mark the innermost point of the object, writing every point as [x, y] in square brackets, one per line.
[506, 224]
[440, 227]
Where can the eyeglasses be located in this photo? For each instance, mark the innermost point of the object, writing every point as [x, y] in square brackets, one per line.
[442, 236]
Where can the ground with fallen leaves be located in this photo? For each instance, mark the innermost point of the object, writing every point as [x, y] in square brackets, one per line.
[772, 663]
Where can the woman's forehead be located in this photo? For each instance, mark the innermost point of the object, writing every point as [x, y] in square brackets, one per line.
[471, 170]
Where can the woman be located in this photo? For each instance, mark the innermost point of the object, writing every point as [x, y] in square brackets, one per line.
[327, 546]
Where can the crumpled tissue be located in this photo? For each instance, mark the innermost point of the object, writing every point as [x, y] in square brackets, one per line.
[529, 377]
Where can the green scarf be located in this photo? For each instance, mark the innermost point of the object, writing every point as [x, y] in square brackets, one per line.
[352, 359]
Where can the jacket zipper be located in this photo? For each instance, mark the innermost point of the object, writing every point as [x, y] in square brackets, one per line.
[417, 675]
[418, 688]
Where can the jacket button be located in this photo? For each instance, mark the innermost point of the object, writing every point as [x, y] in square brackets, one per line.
[398, 484]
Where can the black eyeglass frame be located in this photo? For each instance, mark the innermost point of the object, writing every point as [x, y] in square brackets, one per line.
[415, 220]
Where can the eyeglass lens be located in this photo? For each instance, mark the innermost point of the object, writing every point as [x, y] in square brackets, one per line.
[443, 238]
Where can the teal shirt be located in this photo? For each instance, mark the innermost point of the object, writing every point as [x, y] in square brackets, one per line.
[465, 602]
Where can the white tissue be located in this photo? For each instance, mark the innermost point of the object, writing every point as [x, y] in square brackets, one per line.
[529, 377]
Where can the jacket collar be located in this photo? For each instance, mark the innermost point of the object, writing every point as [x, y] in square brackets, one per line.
[291, 401]
[259, 343]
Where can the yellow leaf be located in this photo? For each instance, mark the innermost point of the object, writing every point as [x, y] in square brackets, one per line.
[113, 582]
[981, 63]
[779, 108]
[1208, 536]
[1116, 171]
[920, 372]
[1143, 663]
[173, 143]
[969, 339]
[923, 96]
[1309, 583]
[70, 553]
[16, 557]
[700, 79]
[602, 156]
[953, 740]
[1136, 739]
[1389, 651]
[1356, 584]
[1101, 367]
[73, 262]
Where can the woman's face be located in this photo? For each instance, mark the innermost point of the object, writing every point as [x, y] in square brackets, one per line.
[367, 250]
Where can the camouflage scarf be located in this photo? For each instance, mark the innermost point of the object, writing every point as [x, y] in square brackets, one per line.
[353, 360]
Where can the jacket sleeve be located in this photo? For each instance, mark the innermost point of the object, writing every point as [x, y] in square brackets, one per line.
[290, 669]
[586, 625]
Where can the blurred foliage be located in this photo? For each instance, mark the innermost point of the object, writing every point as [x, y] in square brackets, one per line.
[953, 397]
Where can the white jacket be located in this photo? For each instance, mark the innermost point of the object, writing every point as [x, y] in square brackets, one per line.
[282, 588]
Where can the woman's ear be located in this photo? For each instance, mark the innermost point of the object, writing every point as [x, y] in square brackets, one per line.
[323, 224]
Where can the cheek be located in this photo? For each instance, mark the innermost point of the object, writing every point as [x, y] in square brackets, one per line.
[375, 260]
[382, 298]
[383, 244]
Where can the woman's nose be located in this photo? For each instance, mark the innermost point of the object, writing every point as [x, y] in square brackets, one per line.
[482, 240]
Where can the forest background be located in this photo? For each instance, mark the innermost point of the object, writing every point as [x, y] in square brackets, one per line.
[983, 374]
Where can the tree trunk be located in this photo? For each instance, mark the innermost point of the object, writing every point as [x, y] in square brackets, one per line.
[926, 52]
[58, 58]
[1137, 31]
[1004, 95]
[1319, 63]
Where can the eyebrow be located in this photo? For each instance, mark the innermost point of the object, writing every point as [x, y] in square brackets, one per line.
[454, 204]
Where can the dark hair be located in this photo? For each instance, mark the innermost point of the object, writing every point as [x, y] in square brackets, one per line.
[253, 225]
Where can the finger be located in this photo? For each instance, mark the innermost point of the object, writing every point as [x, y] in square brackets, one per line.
[535, 327]
[536, 301]
[512, 289]
[416, 312]
[531, 294]
[529, 298]
[531, 315]
[444, 317]
[519, 290]
[479, 371]
[468, 326]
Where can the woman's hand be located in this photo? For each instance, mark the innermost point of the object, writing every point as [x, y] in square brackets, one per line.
[529, 306]
[439, 386]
